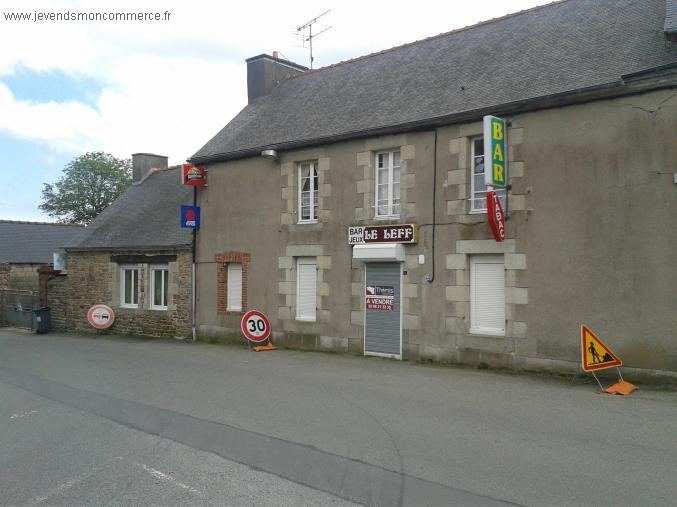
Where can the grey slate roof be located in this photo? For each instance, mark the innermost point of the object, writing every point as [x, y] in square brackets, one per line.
[33, 242]
[547, 50]
[671, 16]
[145, 217]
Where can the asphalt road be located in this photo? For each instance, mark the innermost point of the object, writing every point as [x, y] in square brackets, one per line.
[118, 421]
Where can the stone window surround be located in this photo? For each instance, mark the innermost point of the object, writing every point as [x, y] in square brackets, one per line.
[516, 288]
[289, 172]
[459, 174]
[366, 178]
[222, 259]
[287, 286]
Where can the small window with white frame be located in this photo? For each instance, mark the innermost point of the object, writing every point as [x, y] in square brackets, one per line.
[159, 287]
[388, 184]
[129, 286]
[308, 192]
[306, 289]
[478, 188]
[234, 298]
[487, 295]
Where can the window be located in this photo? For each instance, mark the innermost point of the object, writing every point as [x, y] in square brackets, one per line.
[306, 283]
[388, 184]
[234, 287]
[159, 283]
[478, 189]
[308, 185]
[129, 286]
[487, 295]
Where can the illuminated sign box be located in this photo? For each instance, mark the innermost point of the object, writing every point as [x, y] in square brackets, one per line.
[495, 152]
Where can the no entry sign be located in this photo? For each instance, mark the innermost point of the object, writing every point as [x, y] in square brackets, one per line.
[101, 316]
[255, 326]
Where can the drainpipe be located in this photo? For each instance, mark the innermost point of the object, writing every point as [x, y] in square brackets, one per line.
[193, 275]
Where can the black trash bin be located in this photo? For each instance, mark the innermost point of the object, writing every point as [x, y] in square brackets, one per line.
[44, 320]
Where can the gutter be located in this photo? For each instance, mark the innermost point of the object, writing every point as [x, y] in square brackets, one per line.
[629, 84]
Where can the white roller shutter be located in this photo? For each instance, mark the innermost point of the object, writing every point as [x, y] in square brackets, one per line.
[487, 294]
[306, 269]
[234, 287]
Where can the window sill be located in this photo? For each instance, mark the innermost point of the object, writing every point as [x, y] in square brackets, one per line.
[478, 211]
[487, 332]
[307, 222]
[159, 308]
[305, 319]
[234, 310]
[129, 307]
[386, 217]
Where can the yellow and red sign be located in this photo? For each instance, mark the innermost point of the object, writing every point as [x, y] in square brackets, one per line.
[595, 355]
[193, 175]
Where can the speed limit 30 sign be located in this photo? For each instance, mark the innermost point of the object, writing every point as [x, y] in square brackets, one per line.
[255, 326]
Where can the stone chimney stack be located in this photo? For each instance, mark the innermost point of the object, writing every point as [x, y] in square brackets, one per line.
[264, 72]
[143, 163]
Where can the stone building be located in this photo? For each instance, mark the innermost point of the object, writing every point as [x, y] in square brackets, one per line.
[589, 91]
[135, 258]
[26, 246]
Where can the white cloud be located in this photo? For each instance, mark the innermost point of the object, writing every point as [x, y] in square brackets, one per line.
[167, 87]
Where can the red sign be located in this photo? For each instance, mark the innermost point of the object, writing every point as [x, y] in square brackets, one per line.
[401, 233]
[495, 216]
[193, 175]
[255, 326]
[101, 316]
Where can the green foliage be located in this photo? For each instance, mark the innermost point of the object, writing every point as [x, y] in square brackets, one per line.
[88, 185]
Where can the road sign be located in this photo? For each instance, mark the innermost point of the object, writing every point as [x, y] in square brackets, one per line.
[595, 355]
[255, 326]
[495, 152]
[190, 217]
[193, 176]
[101, 316]
[496, 216]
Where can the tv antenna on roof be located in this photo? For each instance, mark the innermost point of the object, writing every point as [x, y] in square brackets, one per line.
[307, 35]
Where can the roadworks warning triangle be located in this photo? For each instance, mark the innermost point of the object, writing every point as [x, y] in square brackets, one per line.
[595, 355]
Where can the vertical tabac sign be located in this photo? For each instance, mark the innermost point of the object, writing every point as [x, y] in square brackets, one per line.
[495, 152]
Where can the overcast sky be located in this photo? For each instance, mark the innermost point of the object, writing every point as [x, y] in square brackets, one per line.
[167, 87]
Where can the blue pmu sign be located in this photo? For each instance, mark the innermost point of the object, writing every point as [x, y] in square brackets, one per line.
[190, 217]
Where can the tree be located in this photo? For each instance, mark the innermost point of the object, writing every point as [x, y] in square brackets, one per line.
[88, 185]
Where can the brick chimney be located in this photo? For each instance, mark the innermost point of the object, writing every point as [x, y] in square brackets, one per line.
[143, 163]
[264, 72]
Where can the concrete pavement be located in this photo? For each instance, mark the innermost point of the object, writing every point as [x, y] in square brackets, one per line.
[116, 421]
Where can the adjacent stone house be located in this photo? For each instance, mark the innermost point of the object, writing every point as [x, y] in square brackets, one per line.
[26, 246]
[321, 157]
[135, 258]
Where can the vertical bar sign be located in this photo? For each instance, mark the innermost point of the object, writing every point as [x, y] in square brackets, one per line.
[495, 152]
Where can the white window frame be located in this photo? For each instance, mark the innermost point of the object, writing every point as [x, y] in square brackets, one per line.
[481, 207]
[123, 269]
[391, 184]
[229, 302]
[299, 262]
[485, 259]
[314, 192]
[153, 270]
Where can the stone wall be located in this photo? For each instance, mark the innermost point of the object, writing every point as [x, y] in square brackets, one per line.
[57, 300]
[94, 278]
[4, 276]
[24, 276]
